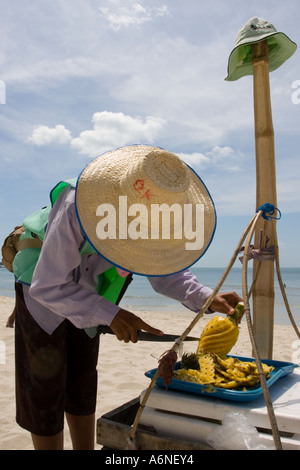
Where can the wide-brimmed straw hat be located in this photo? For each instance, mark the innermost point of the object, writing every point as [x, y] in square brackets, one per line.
[117, 200]
[255, 30]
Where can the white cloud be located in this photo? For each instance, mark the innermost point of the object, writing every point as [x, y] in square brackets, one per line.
[224, 158]
[119, 16]
[220, 153]
[194, 159]
[113, 130]
[110, 130]
[44, 135]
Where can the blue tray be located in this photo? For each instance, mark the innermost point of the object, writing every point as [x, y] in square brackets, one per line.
[280, 370]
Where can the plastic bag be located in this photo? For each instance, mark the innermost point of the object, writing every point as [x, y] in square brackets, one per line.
[236, 433]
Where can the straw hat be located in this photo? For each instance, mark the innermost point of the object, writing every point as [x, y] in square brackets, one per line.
[255, 30]
[117, 196]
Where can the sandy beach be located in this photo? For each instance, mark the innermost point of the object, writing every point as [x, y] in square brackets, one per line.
[121, 366]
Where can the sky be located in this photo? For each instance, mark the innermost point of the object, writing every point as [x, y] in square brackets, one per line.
[80, 77]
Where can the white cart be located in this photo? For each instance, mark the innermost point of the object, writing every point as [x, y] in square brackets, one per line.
[193, 417]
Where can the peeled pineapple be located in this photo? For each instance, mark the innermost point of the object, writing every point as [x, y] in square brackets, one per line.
[221, 333]
[214, 371]
[197, 368]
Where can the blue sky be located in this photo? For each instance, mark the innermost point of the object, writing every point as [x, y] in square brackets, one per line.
[83, 77]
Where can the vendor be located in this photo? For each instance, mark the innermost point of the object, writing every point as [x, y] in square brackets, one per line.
[90, 248]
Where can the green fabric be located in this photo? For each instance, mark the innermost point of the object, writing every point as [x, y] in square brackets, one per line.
[55, 192]
[35, 225]
[109, 286]
[255, 30]
[87, 249]
[24, 264]
[25, 260]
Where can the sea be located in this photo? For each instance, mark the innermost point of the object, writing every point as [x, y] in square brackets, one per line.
[141, 297]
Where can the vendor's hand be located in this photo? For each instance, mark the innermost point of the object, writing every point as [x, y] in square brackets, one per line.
[225, 302]
[126, 326]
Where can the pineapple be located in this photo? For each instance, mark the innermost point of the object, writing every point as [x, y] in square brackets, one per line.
[210, 365]
[221, 333]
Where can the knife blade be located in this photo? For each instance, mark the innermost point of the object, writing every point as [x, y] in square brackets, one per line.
[145, 336]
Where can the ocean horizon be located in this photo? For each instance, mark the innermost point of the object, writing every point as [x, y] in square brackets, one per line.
[141, 297]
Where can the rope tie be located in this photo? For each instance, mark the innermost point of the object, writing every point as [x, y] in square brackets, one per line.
[179, 343]
[263, 253]
[166, 365]
[260, 254]
[270, 209]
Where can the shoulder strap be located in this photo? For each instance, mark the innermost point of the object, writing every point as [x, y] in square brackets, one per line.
[55, 192]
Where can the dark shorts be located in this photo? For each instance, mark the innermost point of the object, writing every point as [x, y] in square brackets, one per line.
[54, 373]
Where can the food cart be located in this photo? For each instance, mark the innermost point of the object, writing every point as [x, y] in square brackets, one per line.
[179, 420]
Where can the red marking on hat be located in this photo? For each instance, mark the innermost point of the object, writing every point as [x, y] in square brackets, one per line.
[139, 187]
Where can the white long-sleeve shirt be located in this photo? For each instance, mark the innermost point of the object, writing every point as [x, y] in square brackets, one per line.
[64, 281]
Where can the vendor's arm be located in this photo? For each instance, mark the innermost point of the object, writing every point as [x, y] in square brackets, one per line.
[53, 283]
[186, 289]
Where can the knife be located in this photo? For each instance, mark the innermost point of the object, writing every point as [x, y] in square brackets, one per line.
[145, 336]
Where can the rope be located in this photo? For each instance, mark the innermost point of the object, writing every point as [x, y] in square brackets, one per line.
[246, 296]
[282, 286]
[260, 370]
[272, 249]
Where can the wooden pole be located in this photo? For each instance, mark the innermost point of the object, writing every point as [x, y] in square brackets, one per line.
[263, 290]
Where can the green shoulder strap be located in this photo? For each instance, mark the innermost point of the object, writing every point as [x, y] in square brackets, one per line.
[111, 286]
[55, 192]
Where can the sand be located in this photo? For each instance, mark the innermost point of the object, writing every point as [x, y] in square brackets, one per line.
[121, 366]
